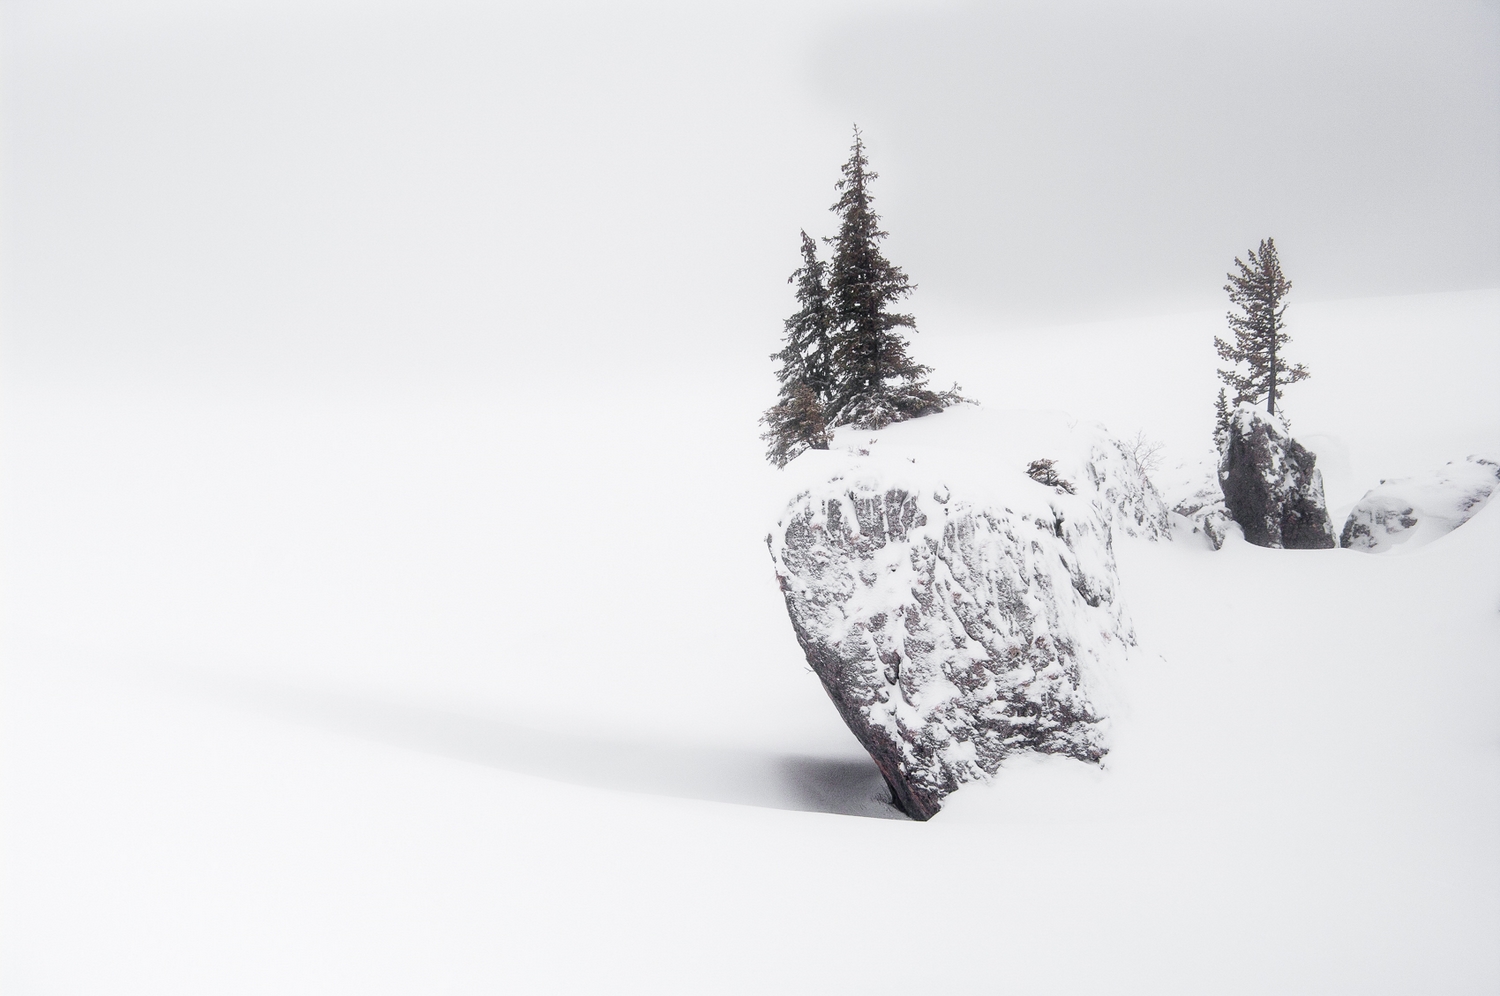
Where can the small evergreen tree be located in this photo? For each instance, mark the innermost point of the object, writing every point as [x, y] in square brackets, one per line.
[1259, 370]
[875, 381]
[1221, 421]
[798, 420]
[808, 353]
[794, 424]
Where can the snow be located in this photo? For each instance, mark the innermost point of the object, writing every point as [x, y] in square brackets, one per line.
[984, 452]
[1409, 512]
[410, 688]
[384, 600]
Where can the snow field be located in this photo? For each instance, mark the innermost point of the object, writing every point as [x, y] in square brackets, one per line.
[404, 689]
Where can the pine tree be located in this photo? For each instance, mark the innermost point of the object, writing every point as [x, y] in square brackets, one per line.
[876, 382]
[1259, 369]
[798, 420]
[1221, 421]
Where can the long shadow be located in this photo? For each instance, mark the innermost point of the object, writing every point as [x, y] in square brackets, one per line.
[845, 787]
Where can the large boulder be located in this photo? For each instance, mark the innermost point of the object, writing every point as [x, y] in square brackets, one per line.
[1271, 484]
[955, 609]
[1411, 511]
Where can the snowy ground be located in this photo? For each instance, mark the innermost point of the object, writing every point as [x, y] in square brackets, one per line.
[422, 689]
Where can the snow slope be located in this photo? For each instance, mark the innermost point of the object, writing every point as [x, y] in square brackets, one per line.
[432, 687]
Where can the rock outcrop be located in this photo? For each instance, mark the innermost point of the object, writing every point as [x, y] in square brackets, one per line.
[1271, 484]
[1123, 492]
[1415, 510]
[953, 626]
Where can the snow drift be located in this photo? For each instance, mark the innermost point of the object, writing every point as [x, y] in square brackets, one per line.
[1412, 511]
[956, 609]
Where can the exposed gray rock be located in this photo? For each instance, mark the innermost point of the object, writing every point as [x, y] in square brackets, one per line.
[950, 635]
[952, 583]
[1415, 510]
[1271, 484]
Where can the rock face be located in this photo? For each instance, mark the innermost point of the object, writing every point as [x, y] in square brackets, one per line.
[1122, 492]
[951, 630]
[1415, 510]
[1272, 486]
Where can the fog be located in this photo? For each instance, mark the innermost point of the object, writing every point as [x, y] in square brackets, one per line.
[326, 191]
[1052, 158]
[387, 604]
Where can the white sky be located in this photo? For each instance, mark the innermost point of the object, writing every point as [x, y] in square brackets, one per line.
[257, 189]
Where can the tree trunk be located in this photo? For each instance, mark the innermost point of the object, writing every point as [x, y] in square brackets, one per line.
[1271, 393]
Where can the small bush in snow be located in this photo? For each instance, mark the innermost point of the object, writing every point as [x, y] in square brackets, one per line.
[1045, 472]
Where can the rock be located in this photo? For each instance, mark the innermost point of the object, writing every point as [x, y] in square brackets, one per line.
[1412, 511]
[1271, 484]
[1205, 511]
[1123, 492]
[1190, 488]
[955, 625]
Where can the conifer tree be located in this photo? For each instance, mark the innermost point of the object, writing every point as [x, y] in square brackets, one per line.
[875, 381]
[808, 353]
[794, 424]
[1221, 421]
[1259, 369]
[798, 420]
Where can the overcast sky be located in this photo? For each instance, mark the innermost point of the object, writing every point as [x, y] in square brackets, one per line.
[1051, 155]
[259, 188]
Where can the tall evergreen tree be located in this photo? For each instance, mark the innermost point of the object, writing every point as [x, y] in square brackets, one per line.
[1259, 369]
[798, 420]
[875, 381]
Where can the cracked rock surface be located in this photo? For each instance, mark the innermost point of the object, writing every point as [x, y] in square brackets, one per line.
[956, 616]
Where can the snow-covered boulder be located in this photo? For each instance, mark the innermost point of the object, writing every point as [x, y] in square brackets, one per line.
[1205, 512]
[955, 609]
[1190, 488]
[1412, 511]
[1271, 484]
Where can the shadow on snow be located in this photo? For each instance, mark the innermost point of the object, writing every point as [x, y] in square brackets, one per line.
[841, 786]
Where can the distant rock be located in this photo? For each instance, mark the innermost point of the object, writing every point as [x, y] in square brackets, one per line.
[1205, 512]
[955, 614]
[1271, 484]
[1190, 488]
[1416, 510]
